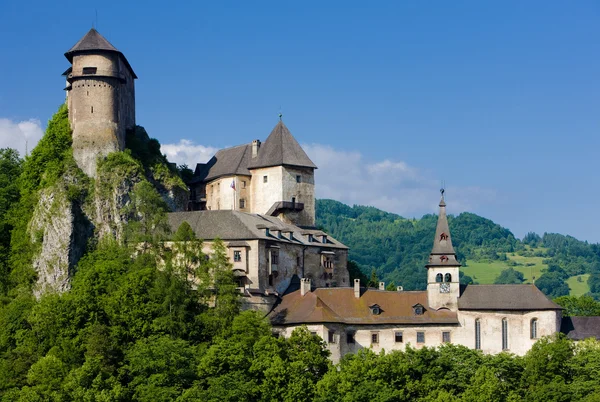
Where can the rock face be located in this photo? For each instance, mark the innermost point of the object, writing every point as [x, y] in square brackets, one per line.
[71, 213]
[61, 229]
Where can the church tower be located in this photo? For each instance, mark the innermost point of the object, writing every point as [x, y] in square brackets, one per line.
[443, 286]
[100, 97]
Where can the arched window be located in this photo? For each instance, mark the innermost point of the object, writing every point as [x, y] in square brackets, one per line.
[504, 334]
[439, 278]
[477, 334]
[533, 328]
[448, 278]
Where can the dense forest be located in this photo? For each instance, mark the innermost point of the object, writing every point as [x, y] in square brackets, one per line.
[395, 249]
[139, 324]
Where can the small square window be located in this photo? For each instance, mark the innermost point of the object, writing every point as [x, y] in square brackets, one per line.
[399, 337]
[331, 337]
[374, 338]
[265, 179]
[298, 178]
[313, 333]
[350, 337]
[446, 337]
[237, 256]
[420, 337]
[90, 70]
[243, 183]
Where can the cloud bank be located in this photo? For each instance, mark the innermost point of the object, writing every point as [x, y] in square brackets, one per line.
[346, 176]
[22, 136]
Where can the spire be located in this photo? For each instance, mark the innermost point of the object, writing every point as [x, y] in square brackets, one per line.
[442, 253]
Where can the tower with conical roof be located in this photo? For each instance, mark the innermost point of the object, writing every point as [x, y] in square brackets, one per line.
[283, 179]
[101, 99]
[443, 286]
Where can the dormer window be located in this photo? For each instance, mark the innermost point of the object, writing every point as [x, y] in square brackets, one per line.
[375, 309]
[418, 309]
[267, 232]
[443, 236]
[324, 239]
[311, 238]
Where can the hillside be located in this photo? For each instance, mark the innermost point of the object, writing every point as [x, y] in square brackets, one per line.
[397, 248]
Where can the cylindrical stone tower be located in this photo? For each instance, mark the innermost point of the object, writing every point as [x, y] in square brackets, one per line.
[101, 99]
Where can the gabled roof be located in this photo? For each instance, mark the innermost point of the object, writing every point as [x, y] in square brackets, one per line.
[93, 41]
[505, 297]
[339, 305]
[231, 225]
[580, 328]
[226, 162]
[281, 148]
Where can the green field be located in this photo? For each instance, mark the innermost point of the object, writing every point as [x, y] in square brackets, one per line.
[579, 287]
[487, 272]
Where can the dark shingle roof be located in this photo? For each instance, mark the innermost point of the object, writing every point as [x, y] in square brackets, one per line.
[339, 305]
[94, 41]
[226, 162]
[281, 148]
[504, 297]
[580, 328]
[234, 225]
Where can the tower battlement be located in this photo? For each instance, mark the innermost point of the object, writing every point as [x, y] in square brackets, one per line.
[100, 97]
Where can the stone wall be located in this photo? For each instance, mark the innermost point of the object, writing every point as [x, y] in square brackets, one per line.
[220, 195]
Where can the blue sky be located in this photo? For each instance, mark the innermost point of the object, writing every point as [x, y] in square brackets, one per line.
[499, 99]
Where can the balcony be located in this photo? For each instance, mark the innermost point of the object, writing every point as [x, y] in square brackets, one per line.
[282, 206]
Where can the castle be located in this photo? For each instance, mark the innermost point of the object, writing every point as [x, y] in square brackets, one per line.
[100, 97]
[259, 199]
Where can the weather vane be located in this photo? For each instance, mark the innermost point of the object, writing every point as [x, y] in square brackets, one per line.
[443, 189]
[280, 114]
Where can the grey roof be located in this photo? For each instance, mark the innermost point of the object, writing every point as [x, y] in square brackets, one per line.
[442, 246]
[93, 41]
[281, 148]
[226, 162]
[580, 328]
[234, 225]
[504, 297]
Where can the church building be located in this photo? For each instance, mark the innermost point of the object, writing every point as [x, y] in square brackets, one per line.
[491, 318]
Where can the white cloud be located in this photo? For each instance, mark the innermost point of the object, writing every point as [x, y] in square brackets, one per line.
[21, 136]
[392, 186]
[186, 152]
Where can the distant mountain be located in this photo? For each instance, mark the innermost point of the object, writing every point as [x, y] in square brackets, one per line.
[397, 248]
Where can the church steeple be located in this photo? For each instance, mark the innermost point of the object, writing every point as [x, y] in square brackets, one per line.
[443, 287]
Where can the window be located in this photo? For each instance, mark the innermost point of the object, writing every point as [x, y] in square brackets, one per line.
[439, 278]
[420, 337]
[90, 70]
[242, 203]
[533, 326]
[504, 334]
[418, 309]
[477, 334]
[313, 333]
[350, 337]
[331, 336]
[446, 337]
[274, 258]
[267, 232]
[92, 109]
[324, 239]
[375, 309]
[243, 183]
[237, 256]
[398, 337]
[448, 278]
[265, 179]
[374, 338]
[310, 238]
[298, 178]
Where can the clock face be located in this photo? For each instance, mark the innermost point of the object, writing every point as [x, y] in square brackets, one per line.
[444, 288]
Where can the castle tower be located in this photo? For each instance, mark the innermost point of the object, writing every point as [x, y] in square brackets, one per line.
[283, 178]
[443, 286]
[101, 99]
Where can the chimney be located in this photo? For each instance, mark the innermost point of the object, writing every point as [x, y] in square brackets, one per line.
[304, 286]
[381, 285]
[255, 148]
[399, 288]
[357, 288]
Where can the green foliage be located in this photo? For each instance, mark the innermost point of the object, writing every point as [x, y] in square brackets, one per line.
[578, 306]
[510, 276]
[553, 284]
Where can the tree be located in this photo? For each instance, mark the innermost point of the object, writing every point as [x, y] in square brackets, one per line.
[552, 284]
[510, 276]
[10, 169]
[373, 281]
[578, 306]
